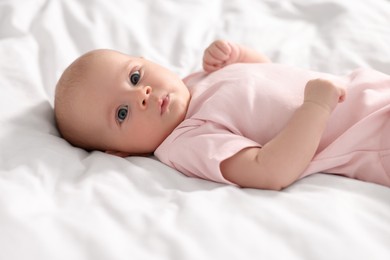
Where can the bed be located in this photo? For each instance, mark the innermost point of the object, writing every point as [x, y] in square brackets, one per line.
[61, 202]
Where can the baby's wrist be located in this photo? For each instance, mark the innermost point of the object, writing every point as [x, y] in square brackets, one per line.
[235, 55]
[314, 105]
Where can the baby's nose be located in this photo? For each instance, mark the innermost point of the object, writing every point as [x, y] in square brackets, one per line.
[144, 96]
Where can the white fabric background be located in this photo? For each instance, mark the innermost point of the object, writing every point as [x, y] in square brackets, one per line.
[60, 202]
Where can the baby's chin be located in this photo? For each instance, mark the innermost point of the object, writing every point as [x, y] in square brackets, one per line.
[147, 150]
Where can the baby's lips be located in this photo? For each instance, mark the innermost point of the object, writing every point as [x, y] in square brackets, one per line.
[164, 103]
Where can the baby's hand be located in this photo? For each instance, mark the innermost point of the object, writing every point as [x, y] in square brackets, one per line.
[219, 54]
[324, 93]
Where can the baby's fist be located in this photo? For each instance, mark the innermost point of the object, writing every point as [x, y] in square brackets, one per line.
[324, 93]
[219, 54]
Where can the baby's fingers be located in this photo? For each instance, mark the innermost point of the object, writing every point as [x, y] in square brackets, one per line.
[342, 94]
[220, 50]
[216, 55]
[211, 67]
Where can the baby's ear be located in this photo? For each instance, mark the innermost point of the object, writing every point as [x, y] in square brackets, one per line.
[120, 154]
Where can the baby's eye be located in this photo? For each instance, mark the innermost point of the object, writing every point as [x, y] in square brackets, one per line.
[121, 114]
[135, 77]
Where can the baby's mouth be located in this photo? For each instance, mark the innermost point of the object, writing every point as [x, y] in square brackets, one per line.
[164, 104]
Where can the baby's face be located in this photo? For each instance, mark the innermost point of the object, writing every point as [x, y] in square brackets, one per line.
[130, 105]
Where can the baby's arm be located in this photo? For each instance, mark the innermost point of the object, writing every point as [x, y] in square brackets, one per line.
[221, 53]
[281, 161]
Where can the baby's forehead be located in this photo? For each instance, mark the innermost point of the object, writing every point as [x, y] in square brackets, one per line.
[103, 61]
[92, 60]
[104, 54]
[96, 70]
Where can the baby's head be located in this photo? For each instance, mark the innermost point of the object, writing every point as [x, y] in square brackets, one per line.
[106, 100]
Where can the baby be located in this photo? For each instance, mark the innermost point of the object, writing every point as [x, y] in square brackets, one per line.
[243, 121]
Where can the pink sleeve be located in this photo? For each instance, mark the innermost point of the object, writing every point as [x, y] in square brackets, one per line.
[199, 151]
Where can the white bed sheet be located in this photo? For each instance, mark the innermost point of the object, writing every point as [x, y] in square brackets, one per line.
[60, 202]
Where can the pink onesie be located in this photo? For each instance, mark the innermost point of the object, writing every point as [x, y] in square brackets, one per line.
[246, 105]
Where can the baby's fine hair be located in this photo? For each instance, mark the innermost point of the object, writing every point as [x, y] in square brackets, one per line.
[71, 80]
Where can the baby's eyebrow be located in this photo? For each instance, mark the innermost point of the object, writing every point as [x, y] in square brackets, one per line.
[110, 118]
[129, 65]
